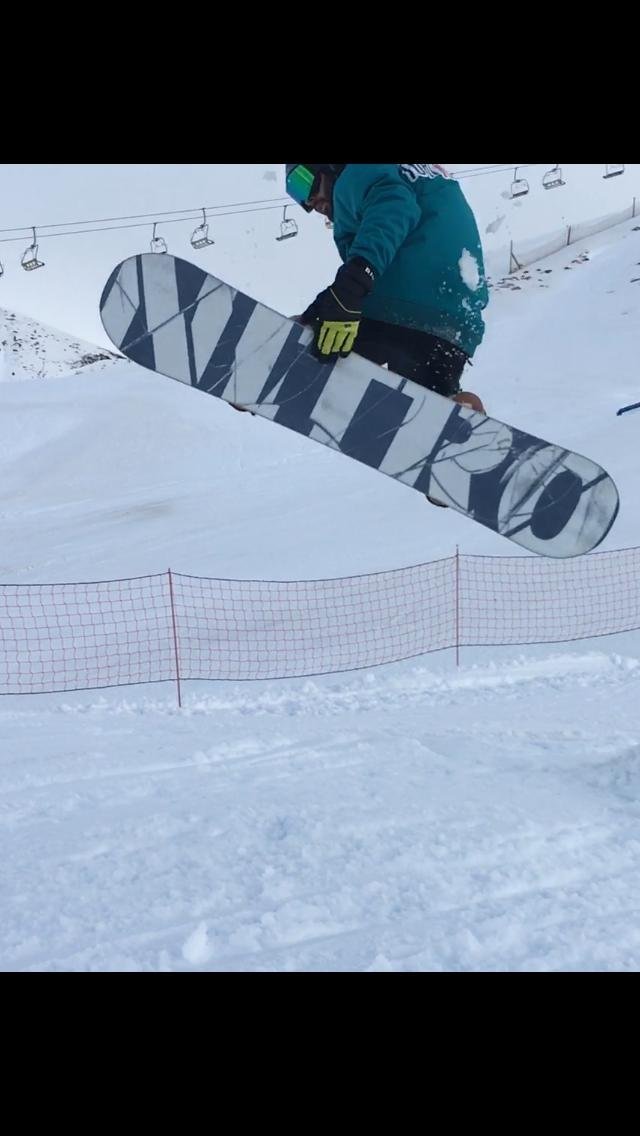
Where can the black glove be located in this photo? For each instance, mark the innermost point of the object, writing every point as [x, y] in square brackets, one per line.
[336, 313]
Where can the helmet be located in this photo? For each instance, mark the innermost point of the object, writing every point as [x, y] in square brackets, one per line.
[328, 169]
[302, 180]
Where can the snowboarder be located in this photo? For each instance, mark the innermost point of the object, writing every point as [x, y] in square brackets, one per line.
[412, 288]
[412, 285]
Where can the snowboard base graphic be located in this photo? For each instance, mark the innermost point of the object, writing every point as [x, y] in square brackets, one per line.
[173, 318]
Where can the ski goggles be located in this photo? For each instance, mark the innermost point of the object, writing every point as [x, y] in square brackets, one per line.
[300, 185]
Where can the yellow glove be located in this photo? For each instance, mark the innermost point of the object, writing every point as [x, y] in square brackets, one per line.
[336, 313]
[337, 337]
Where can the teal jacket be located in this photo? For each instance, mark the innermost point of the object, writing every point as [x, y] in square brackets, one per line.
[413, 225]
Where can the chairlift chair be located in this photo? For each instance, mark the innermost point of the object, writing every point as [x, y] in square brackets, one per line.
[158, 244]
[288, 227]
[29, 259]
[519, 186]
[553, 178]
[613, 171]
[200, 237]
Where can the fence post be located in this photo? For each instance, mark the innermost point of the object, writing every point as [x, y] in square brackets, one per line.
[569, 235]
[457, 606]
[175, 638]
[513, 260]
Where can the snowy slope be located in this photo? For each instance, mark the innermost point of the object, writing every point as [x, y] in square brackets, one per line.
[30, 349]
[586, 199]
[397, 822]
[411, 818]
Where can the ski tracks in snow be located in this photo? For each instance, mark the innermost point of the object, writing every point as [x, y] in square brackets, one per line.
[408, 819]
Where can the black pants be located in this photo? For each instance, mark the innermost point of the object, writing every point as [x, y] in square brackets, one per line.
[425, 359]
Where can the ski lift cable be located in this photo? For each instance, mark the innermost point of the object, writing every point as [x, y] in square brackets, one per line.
[496, 170]
[158, 214]
[109, 224]
[259, 203]
[140, 224]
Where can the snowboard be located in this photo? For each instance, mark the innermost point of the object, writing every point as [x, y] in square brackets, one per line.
[173, 318]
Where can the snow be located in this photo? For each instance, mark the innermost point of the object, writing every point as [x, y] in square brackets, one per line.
[31, 350]
[401, 821]
[409, 818]
[469, 270]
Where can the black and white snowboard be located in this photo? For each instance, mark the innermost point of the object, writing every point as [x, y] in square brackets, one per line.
[171, 317]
